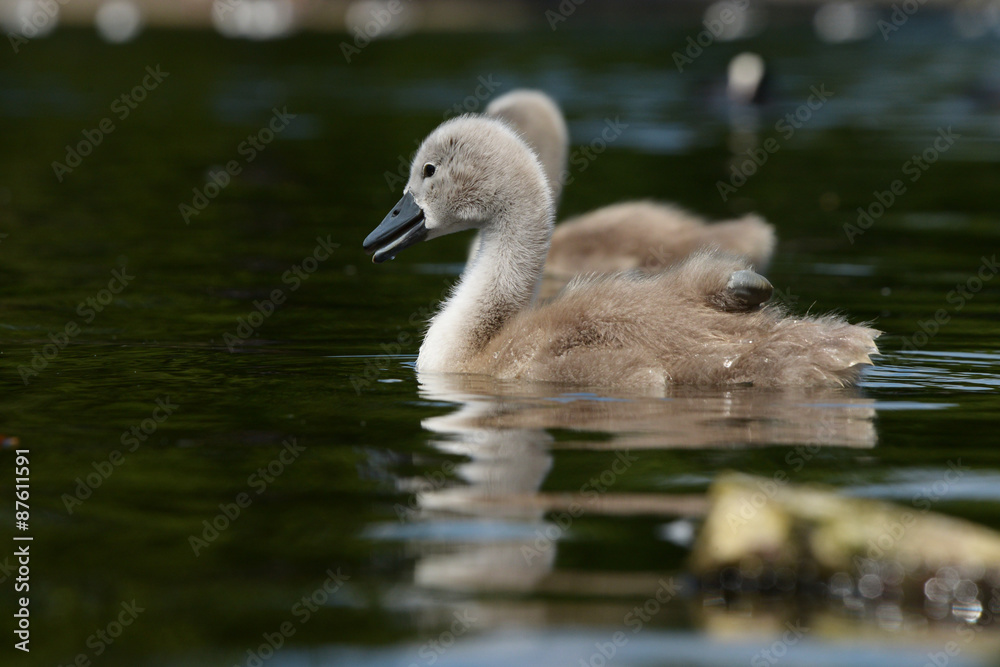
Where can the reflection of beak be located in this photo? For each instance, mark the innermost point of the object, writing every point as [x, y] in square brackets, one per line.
[403, 227]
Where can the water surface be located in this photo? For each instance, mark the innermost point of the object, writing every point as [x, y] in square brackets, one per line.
[403, 501]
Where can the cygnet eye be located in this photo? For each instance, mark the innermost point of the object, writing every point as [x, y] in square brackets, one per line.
[429, 170]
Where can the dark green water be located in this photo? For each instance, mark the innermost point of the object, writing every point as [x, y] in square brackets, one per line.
[388, 480]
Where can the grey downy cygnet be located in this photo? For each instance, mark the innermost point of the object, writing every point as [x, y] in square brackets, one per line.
[700, 322]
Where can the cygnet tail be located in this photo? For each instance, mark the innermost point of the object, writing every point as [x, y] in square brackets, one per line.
[854, 353]
[823, 350]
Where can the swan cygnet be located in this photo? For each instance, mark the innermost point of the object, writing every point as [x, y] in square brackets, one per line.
[651, 236]
[633, 235]
[700, 322]
[542, 126]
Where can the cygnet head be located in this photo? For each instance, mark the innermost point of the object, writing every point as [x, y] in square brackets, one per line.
[472, 172]
[540, 121]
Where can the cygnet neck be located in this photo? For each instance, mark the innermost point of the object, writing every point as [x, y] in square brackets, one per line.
[498, 282]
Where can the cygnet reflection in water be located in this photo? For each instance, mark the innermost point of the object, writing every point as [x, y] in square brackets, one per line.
[503, 429]
[687, 418]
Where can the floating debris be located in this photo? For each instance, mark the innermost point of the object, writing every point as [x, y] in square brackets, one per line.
[767, 536]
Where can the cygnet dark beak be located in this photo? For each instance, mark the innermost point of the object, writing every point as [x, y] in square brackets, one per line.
[403, 227]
